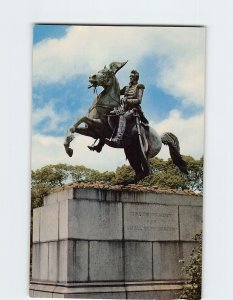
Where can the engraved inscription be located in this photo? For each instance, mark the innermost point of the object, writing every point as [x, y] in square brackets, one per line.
[148, 214]
[151, 222]
[150, 228]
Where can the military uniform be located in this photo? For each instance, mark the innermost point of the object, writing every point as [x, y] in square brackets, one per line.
[133, 95]
[132, 103]
[133, 98]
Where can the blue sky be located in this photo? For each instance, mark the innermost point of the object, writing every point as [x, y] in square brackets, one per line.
[170, 61]
[43, 32]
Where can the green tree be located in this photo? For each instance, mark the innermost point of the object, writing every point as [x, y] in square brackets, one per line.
[80, 173]
[123, 174]
[103, 176]
[195, 173]
[164, 175]
[192, 288]
[45, 180]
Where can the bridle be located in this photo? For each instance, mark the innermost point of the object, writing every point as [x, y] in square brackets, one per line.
[97, 104]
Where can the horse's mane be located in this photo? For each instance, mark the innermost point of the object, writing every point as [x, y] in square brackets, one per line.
[116, 85]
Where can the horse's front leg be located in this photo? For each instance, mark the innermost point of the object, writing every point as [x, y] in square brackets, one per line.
[70, 136]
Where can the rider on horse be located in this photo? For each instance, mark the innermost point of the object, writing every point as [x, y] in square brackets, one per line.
[142, 143]
[131, 104]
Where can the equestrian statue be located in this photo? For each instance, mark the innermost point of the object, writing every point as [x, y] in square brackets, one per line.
[120, 123]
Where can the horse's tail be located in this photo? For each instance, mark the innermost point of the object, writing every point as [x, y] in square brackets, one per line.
[171, 140]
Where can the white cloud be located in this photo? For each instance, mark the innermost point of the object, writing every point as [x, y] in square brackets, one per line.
[190, 133]
[185, 80]
[50, 150]
[48, 113]
[179, 51]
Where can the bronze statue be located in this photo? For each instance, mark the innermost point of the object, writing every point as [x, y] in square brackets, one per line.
[139, 141]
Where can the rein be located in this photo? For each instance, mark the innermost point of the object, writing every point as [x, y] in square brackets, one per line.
[97, 104]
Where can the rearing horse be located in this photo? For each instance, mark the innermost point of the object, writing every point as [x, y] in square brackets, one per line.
[140, 143]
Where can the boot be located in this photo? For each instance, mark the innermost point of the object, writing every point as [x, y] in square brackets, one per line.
[116, 141]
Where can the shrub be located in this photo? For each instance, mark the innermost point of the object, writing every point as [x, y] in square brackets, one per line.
[192, 288]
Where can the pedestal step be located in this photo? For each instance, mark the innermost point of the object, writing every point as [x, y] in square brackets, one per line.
[165, 290]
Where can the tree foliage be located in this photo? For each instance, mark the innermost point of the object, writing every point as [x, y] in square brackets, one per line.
[195, 173]
[45, 180]
[123, 173]
[192, 288]
[165, 174]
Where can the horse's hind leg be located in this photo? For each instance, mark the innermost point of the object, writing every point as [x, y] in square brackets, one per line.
[97, 147]
[132, 156]
[88, 132]
[80, 121]
[97, 129]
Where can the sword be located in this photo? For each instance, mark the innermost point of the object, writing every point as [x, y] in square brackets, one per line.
[139, 135]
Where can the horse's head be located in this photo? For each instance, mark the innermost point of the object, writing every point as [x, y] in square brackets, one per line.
[102, 78]
[106, 76]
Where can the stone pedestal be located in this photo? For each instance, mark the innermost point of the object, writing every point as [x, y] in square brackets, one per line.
[99, 243]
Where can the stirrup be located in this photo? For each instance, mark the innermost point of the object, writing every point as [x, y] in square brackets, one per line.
[114, 142]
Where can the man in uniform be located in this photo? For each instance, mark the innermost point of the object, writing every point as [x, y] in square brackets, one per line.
[132, 103]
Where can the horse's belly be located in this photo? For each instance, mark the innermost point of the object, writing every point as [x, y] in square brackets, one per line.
[155, 143]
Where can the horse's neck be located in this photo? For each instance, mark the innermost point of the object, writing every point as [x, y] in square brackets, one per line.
[105, 101]
[111, 94]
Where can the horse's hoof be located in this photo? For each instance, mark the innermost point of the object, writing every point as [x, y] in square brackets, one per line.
[91, 148]
[95, 148]
[69, 151]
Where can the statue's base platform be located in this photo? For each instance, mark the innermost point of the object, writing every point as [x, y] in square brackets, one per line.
[113, 242]
[109, 290]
